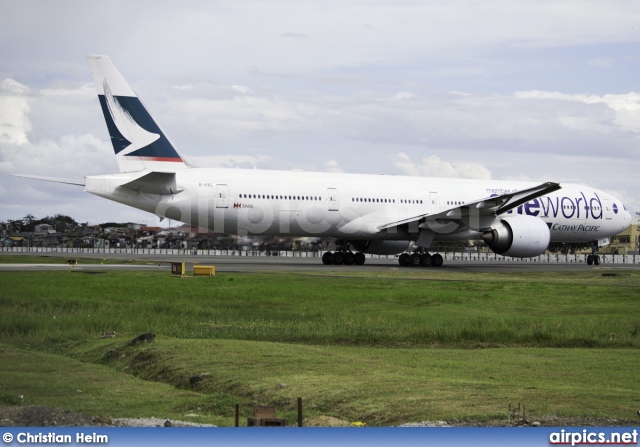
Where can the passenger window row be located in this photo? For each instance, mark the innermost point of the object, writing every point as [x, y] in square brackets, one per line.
[278, 197]
[369, 200]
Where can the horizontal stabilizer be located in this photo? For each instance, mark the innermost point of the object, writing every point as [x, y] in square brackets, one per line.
[52, 179]
[161, 183]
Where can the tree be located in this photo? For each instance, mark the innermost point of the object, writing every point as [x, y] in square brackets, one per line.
[61, 222]
[28, 223]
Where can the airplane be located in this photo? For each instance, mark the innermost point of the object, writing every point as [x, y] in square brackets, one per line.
[377, 214]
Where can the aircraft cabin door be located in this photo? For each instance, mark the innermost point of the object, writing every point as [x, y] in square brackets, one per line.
[434, 198]
[222, 196]
[608, 213]
[333, 199]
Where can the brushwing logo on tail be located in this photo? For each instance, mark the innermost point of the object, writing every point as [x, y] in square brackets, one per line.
[133, 131]
[129, 129]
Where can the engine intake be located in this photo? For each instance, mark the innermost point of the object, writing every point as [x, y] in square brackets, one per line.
[518, 236]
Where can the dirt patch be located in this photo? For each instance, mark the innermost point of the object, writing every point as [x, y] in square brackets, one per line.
[36, 416]
[33, 416]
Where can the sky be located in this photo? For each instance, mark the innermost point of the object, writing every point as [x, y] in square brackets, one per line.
[539, 90]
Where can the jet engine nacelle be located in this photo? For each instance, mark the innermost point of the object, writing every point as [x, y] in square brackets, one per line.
[518, 236]
[381, 247]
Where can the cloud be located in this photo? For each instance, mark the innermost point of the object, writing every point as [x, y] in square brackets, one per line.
[626, 109]
[242, 89]
[71, 155]
[433, 166]
[403, 95]
[14, 111]
[229, 161]
[413, 87]
[332, 166]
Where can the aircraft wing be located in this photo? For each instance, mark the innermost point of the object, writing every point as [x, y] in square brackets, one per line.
[52, 179]
[483, 210]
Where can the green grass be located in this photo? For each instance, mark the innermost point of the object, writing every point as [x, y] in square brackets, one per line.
[57, 381]
[572, 309]
[397, 346]
[379, 386]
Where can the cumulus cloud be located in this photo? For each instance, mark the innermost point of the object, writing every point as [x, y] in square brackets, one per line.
[71, 156]
[332, 166]
[626, 109]
[433, 166]
[14, 111]
[63, 155]
[242, 89]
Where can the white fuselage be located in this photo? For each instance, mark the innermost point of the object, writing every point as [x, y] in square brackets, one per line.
[354, 206]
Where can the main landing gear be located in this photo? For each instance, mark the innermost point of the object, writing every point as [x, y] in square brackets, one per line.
[593, 258]
[343, 257]
[418, 259]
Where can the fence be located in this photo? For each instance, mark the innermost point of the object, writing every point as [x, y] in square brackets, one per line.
[451, 256]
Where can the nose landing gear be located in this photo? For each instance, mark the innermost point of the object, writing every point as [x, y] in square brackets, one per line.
[593, 258]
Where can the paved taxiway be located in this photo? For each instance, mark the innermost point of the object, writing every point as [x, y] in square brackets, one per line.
[244, 264]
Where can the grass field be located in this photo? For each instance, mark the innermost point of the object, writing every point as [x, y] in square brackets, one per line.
[402, 346]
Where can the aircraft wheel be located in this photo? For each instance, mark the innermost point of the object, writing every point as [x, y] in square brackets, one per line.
[403, 260]
[327, 258]
[596, 259]
[426, 260]
[359, 258]
[589, 259]
[338, 258]
[437, 260]
[349, 258]
[414, 260]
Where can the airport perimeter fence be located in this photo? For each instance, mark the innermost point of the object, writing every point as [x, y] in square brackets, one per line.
[449, 256]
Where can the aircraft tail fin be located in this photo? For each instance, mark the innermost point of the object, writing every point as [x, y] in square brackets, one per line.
[137, 140]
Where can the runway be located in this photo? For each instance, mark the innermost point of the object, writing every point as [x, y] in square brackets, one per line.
[246, 264]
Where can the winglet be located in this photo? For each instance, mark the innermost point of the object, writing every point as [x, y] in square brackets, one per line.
[520, 197]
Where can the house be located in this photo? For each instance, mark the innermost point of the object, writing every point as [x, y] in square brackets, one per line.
[44, 229]
[626, 242]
